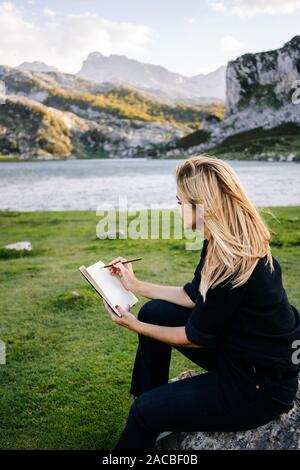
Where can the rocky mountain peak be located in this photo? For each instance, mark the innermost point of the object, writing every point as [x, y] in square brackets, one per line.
[294, 42]
[37, 66]
[263, 79]
[156, 78]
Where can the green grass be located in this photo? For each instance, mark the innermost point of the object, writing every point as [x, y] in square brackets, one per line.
[9, 158]
[248, 145]
[200, 136]
[66, 381]
[281, 140]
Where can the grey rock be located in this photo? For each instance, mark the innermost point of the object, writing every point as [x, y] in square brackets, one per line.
[24, 245]
[279, 434]
[263, 78]
[258, 91]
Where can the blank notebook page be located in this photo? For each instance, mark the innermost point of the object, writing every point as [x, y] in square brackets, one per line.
[111, 286]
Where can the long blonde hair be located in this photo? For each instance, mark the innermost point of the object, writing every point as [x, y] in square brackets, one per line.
[238, 236]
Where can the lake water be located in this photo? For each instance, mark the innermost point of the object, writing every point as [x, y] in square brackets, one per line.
[142, 183]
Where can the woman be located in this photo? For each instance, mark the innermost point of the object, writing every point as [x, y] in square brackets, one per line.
[233, 319]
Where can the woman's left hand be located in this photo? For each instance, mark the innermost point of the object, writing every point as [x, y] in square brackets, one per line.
[127, 319]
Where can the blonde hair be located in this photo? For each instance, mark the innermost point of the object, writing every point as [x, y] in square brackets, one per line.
[238, 236]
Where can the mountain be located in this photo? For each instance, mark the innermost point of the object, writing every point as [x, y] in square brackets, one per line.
[37, 66]
[56, 115]
[261, 122]
[263, 79]
[153, 78]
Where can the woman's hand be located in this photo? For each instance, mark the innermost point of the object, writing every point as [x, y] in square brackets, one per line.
[127, 319]
[124, 272]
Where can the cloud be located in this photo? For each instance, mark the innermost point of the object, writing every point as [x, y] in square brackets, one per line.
[49, 13]
[247, 8]
[65, 40]
[190, 20]
[219, 7]
[7, 6]
[231, 44]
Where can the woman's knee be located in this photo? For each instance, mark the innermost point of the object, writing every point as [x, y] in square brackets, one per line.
[150, 311]
[142, 413]
[163, 312]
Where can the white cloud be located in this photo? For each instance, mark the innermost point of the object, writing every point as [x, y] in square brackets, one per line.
[190, 20]
[219, 7]
[7, 6]
[66, 41]
[231, 44]
[246, 8]
[49, 13]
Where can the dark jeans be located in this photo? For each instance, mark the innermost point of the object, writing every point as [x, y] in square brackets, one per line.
[220, 399]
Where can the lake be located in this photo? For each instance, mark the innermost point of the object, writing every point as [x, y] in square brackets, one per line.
[143, 183]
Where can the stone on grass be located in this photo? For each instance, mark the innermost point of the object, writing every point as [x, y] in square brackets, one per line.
[24, 245]
[279, 434]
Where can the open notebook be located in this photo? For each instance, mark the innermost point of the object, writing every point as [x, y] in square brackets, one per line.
[108, 286]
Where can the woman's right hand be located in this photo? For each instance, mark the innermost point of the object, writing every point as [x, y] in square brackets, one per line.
[124, 272]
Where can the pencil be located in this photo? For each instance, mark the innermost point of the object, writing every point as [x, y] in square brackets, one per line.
[123, 262]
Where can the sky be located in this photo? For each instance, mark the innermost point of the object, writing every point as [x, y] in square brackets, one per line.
[185, 36]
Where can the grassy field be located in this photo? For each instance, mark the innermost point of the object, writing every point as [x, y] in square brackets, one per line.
[280, 141]
[66, 381]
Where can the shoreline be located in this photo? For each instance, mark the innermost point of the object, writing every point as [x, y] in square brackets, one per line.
[11, 212]
[279, 159]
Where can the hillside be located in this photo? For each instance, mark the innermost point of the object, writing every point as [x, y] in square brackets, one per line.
[153, 80]
[261, 121]
[79, 118]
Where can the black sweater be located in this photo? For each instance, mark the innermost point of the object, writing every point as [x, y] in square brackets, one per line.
[253, 323]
